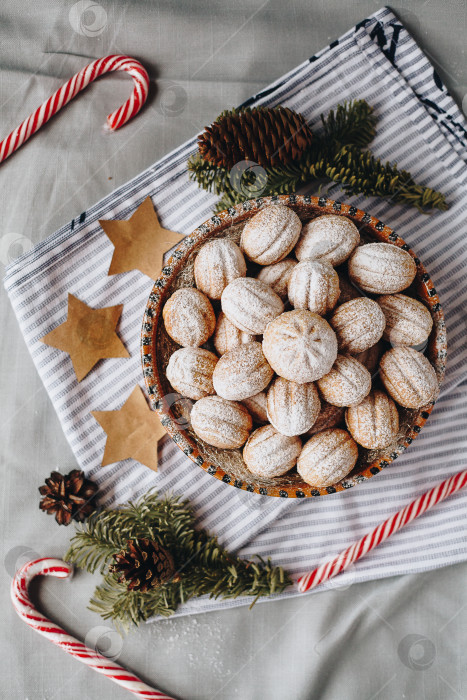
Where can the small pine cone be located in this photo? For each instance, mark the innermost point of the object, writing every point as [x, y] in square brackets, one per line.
[143, 565]
[69, 496]
[269, 136]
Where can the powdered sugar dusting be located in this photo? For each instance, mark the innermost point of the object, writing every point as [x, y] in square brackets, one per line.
[292, 408]
[347, 383]
[218, 263]
[196, 640]
[329, 237]
[327, 457]
[359, 324]
[189, 317]
[268, 453]
[250, 304]
[381, 268]
[227, 336]
[224, 424]
[242, 372]
[408, 321]
[300, 346]
[314, 285]
[374, 422]
[270, 235]
[408, 377]
[277, 276]
[190, 372]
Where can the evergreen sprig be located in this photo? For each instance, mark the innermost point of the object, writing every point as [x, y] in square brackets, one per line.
[352, 123]
[362, 173]
[334, 155]
[203, 565]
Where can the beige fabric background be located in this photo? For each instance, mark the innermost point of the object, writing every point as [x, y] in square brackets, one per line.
[402, 637]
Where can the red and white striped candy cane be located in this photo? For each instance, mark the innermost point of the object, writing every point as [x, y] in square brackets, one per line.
[53, 632]
[382, 532]
[71, 88]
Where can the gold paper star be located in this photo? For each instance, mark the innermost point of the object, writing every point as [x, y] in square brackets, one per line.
[88, 335]
[132, 432]
[140, 242]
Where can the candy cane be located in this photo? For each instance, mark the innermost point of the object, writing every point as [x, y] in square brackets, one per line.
[71, 88]
[40, 623]
[382, 532]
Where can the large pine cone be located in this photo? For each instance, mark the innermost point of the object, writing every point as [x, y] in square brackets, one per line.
[268, 136]
[144, 564]
[69, 496]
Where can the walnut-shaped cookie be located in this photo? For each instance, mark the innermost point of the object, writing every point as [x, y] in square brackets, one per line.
[271, 234]
[327, 457]
[408, 321]
[300, 346]
[314, 285]
[329, 237]
[190, 372]
[188, 317]
[292, 408]
[218, 263]
[268, 453]
[250, 304]
[408, 377]
[347, 383]
[374, 422]
[381, 268]
[277, 276]
[221, 423]
[227, 336]
[242, 372]
[358, 324]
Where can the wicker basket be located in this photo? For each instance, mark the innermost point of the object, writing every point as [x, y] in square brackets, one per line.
[156, 348]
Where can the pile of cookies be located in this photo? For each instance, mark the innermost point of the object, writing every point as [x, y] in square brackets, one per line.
[293, 345]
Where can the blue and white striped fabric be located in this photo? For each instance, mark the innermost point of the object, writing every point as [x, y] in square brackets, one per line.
[420, 127]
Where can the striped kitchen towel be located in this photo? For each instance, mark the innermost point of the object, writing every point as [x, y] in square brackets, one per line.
[421, 128]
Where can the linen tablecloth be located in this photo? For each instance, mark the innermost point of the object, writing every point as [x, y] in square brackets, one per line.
[420, 127]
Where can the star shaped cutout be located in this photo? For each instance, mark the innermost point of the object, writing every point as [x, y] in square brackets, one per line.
[88, 335]
[140, 242]
[132, 432]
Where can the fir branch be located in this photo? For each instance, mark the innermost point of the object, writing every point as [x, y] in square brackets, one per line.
[363, 173]
[352, 123]
[208, 176]
[336, 155]
[94, 543]
[359, 172]
[125, 608]
[203, 565]
[108, 531]
[312, 166]
[228, 577]
[283, 179]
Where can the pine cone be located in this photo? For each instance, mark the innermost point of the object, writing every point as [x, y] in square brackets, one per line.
[68, 496]
[269, 136]
[144, 564]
